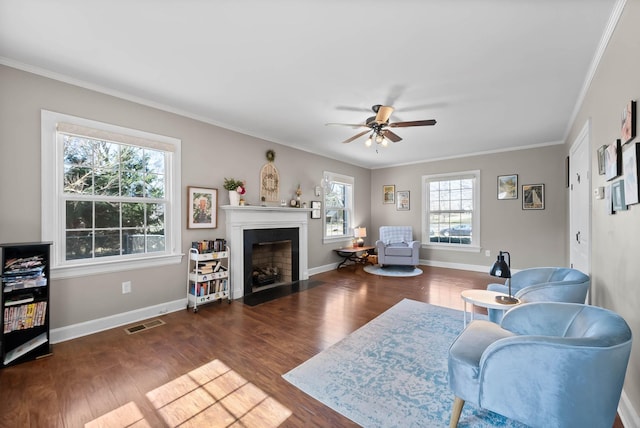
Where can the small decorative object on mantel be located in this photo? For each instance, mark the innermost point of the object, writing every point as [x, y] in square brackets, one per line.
[298, 196]
[269, 180]
[236, 189]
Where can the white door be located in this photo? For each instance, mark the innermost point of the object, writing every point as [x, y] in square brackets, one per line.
[580, 202]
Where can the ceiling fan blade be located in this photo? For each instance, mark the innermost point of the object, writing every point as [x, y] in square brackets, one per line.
[429, 122]
[351, 125]
[355, 137]
[391, 136]
[383, 114]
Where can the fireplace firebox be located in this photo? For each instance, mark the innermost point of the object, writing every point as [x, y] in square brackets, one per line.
[271, 258]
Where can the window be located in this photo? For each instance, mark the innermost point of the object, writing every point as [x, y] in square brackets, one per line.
[110, 196]
[451, 210]
[338, 206]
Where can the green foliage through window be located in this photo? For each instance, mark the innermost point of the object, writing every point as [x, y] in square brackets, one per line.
[114, 198]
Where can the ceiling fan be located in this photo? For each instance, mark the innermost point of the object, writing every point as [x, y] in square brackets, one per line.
[378, 126]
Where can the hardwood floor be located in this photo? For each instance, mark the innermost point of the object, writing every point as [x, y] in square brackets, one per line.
[165, 375]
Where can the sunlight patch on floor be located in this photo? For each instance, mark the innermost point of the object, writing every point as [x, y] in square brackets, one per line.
[211, 395]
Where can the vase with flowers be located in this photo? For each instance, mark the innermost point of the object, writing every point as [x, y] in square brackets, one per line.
[236, 189]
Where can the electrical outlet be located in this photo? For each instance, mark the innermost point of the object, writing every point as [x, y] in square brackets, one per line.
[487, 253]
[126, 287]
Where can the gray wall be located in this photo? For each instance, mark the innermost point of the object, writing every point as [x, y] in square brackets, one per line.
[209, 154]
[532, 237]
[616, 238]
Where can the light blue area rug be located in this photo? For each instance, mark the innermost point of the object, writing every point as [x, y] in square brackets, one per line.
[391, 270]
[392, 371]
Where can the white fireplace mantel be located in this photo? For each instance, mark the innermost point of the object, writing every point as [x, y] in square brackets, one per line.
[241, 218]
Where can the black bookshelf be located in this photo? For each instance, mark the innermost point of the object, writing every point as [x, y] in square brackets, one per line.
[25, 302]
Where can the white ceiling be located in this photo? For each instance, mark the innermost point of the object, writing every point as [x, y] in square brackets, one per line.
[495, 74]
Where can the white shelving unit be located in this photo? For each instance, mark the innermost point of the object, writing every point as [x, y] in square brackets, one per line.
[207, 278]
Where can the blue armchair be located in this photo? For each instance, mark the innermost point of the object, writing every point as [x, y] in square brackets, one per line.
[549, 364]
[544, 284]
[397, 247]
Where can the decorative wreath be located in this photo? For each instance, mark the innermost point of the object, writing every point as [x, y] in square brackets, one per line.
[271, 155]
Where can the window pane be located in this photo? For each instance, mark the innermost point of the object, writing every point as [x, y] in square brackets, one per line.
[133, 240]
[155, 186]
[155, 161]
[106, 155]
[79, 214]
[155, 217]
[107, 243]
[155, 243]
[77, 151]
[107, 214]
[79, 245]
[78, 180]
[107, 181]
[133, 215]
[133, 183]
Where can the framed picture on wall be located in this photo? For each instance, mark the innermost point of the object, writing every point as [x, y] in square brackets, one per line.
[613, 160]
[533, 196]
[617, 196]
[628, 122]
[389, 194]
[402, 200]
[630, 162]
[202, 208]
[508, 186]
[316, 208]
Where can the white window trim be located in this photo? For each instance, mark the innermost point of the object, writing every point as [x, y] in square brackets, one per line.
[346, 179]
[52, 210]
[474, 247]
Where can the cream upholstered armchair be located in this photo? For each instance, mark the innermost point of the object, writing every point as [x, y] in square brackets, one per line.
[549, 364]
[397, 247]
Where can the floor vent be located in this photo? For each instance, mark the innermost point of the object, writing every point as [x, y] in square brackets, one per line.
[144, 326]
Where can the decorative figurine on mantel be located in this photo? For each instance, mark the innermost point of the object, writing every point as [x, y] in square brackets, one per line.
[269, 180]
[298, 195]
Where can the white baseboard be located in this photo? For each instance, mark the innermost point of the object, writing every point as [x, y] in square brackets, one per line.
[474, 268]
[94, 326]
[321, 269]
[461, 266]
[628, 415]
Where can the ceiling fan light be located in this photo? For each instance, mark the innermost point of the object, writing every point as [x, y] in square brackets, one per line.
[368, 142]
[379, 138]
[384, 143]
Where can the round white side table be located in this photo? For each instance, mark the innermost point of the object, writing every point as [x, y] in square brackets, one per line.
[483, 299]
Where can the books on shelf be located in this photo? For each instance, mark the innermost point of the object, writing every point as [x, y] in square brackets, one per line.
[24, 316]
[27, 346]
[208, 246]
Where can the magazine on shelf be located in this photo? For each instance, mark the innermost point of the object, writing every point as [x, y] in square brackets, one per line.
[25, 347]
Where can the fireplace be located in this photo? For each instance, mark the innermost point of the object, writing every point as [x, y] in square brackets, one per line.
[249, 226]
[271, 257]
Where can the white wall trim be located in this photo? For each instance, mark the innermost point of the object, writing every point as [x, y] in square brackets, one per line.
[322, 269]
[100, 324]
[595, 62]
[628, 415]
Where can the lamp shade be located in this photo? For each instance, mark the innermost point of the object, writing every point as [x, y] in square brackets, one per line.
[360, 232]
[501, 268]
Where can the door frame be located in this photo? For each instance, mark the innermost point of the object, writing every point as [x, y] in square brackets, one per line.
[583, 137]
